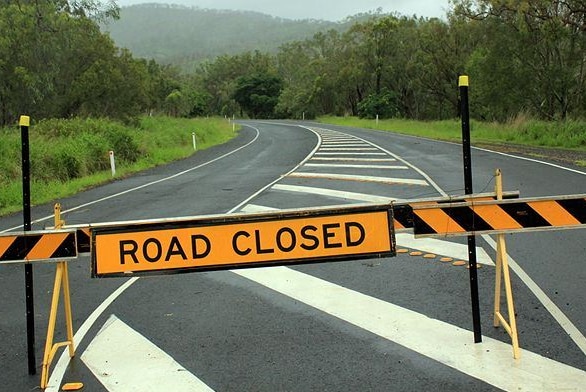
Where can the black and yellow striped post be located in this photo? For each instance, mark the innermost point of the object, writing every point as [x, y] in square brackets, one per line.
[28, 268]
[465, 114]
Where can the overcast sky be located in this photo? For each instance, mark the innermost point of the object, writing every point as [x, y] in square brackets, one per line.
[333, 10]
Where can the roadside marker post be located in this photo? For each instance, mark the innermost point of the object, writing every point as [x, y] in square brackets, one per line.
[465, 115]
[112, 162]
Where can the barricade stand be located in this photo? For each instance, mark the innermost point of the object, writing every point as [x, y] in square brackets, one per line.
[61, 279]
[502, 273]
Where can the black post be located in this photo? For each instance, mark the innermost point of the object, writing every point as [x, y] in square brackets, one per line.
[28, 268]
[465, 113]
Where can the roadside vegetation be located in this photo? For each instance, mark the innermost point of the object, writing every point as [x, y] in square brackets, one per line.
[568, 134]
[68, 156]
[525, 60]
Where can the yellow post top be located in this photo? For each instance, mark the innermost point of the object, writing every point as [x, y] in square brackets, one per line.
[463, 81]
[25, 121]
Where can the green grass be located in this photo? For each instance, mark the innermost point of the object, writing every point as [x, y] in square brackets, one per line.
[68, 156]
[523, 131]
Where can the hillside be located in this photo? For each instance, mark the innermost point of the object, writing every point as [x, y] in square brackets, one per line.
[183, 35]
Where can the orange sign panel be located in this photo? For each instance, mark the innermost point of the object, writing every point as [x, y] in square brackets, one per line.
[242, 241]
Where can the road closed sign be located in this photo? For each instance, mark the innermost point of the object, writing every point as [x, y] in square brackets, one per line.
[237, 241]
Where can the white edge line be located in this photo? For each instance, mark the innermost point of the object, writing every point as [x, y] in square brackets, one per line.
[143, 185]
[531, 160]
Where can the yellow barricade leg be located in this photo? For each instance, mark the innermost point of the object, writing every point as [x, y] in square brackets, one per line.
[61, 280]
[502, 275]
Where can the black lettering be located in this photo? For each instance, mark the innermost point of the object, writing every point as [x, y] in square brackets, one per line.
[328, 234]
[158, 250]
[128, 251]
[293, 239]
[259, 250]
[307, 236]
[235, 243]
[360, 240]
[206, 241]
[175, 249]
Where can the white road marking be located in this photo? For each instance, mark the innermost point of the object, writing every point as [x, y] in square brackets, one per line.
[490, 361]
[124, 360]
[442, 247]
[348, 149]
[342, 159]
[350, 153]
[355, 166]
[344, 144]
[347, 177]
[61, 365]
[333, 193]
[251, 208]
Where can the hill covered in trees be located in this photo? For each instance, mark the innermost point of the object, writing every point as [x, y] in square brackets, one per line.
[189, 35]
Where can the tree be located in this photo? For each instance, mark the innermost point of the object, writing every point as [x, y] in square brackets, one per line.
[539, 46]
[258, 94]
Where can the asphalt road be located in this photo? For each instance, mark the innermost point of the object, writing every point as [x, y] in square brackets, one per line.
[255, 330]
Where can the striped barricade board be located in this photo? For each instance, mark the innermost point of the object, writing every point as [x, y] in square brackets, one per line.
[26, 246]
[500, 216]
[403, 211]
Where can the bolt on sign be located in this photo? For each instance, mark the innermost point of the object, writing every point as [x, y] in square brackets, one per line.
[237, 241]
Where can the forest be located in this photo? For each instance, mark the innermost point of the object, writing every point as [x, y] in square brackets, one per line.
[524, 58]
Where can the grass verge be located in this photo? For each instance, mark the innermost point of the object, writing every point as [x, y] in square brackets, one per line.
[68, 156]
[568, 134]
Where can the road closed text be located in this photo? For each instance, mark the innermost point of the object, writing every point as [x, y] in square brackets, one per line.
[226, 244]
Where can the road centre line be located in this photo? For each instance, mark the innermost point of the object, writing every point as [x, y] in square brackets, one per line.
[347, 177]
[333, 193]
[118, 372]
[490, 361]
[355, 166]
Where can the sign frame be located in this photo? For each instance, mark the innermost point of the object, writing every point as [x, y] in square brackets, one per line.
[214, 221]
